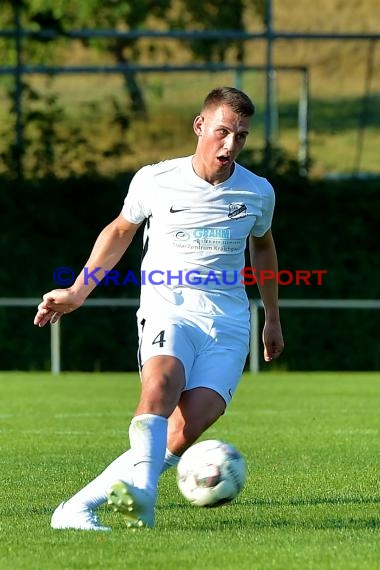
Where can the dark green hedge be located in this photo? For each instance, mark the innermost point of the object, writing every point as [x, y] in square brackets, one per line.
[318, 225]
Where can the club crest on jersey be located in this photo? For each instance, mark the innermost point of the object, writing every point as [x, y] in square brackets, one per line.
[182, 235]
[237, 210]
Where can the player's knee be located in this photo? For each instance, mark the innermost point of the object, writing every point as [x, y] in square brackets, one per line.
[159, 395]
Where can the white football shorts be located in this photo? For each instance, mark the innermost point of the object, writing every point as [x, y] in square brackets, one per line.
[213, 350]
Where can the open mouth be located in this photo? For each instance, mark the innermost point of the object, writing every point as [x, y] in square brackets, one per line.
[223, 160]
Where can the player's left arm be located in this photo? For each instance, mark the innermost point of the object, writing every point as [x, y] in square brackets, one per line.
[264, 260]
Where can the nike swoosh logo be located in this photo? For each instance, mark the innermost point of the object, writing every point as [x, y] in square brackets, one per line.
[174, 211]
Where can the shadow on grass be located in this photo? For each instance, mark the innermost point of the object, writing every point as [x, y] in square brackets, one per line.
[239, 515]
[306, 502]
[312, 501]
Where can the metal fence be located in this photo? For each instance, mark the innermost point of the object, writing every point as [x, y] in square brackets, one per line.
[255, 307]
[269, 35]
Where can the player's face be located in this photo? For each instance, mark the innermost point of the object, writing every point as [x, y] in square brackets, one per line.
[221, 136]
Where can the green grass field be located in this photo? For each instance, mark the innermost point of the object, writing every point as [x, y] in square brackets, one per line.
[311, 501]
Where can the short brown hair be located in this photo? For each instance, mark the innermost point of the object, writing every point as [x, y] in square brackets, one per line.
[239, 102]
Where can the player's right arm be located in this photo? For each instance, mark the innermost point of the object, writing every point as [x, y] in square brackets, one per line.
[111, 244]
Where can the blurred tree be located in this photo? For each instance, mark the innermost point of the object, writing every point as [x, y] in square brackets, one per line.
[64, 15]
[61, 16]
[212, 15]
[215, 15]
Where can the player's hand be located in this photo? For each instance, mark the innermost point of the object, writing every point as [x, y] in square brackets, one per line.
[273, 340]
[55, 304]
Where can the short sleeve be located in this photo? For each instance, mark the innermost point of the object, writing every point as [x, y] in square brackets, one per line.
[137, 205]
[264, 222]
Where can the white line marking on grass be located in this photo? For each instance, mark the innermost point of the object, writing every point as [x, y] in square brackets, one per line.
[356, 431]
[62, 432]
[91, 415]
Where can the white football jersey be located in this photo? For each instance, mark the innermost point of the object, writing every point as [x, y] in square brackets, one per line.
[195, 236]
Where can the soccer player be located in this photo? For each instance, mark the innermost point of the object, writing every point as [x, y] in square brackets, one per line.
[193, 319]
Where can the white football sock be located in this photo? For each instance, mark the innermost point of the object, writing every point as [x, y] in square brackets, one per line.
[95, 492]
[148, 435]
[171, 460]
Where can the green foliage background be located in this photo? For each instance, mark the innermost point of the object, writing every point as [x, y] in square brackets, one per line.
[318, 225]
[84, 138]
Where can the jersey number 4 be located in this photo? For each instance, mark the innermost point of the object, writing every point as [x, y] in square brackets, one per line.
[160, 339]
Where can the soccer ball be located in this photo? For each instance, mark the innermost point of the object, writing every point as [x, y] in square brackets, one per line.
[211, 473]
